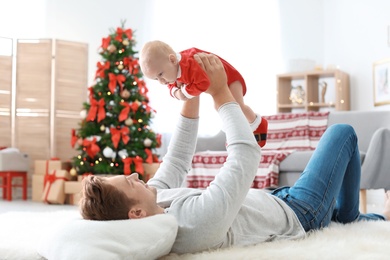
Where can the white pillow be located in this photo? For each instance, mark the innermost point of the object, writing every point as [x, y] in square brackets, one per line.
[146, 238]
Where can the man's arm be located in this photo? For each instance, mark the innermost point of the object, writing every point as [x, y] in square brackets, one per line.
[190, 108]
[213, 211]
[177, 162]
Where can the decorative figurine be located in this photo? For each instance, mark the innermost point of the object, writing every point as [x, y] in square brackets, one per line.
[323, 86]
[297, 95]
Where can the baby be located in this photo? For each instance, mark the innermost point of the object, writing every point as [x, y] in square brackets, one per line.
[186, 79]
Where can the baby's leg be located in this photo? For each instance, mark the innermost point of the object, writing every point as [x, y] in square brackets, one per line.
[258, 124]
[236, 90]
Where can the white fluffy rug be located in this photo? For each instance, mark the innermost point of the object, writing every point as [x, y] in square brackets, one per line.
[362, 240]
[20, 233]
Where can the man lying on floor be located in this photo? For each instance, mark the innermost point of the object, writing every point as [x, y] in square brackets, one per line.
[228, 212]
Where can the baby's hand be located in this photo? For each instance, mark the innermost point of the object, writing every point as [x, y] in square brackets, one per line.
[179, 95]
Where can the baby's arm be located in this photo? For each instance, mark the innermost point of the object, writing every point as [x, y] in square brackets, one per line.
[175, 90]
[198, 80]
[179, 94]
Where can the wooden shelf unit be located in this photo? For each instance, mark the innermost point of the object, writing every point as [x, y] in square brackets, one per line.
[310, 83]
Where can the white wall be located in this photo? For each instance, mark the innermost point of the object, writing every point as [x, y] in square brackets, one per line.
[302, 31]
[22, 19]
[349, 34]
[355, 37]
[258, 37]
[91, 20]
[17, 22]
[245, 34]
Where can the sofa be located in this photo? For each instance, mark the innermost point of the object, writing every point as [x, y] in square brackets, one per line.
[373, 131]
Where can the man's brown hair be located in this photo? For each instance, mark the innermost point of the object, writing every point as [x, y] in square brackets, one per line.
[103, 201]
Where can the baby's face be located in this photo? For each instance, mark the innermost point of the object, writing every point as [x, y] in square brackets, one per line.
[163, 70]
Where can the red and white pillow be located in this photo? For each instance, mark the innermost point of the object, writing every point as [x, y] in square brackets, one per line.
[295, 131]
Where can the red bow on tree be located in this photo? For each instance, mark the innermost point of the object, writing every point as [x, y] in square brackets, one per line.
[91, 147]
[147, 107]
[158, 139]
[101, 69]
[141, 86]
[74, 138]
[91, 91]
[155, 159]
[149, 155]
[117, 134]
[126, 62]
[120, 32]
[131, 64]
[105, 42]
[137, 162]
[125, 111]
[97, 107]
[114, 80]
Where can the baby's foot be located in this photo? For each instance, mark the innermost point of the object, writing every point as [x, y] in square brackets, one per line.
[261, 132]
[386, 210]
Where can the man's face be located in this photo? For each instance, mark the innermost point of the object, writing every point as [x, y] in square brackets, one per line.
[135, 189]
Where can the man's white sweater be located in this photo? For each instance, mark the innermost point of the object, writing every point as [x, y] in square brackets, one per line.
[228, 212]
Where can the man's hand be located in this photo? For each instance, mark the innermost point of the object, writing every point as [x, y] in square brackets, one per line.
[214, 69]
[218, 88]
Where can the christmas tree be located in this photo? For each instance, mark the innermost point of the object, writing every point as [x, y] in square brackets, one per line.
[115, 135]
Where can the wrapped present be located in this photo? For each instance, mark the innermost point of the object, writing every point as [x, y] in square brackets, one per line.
[72, 187]
[43, 167]
[73, 199]
[54, 186]
[66, 166]
[72, 192]
[37, 187]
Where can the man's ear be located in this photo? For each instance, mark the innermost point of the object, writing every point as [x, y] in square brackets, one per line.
[135, 213]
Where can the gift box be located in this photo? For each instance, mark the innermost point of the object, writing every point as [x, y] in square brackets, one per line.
[54, 187]
[42, 167]
[37, 187]
[72, 192]
[72, 187]
[73, 199]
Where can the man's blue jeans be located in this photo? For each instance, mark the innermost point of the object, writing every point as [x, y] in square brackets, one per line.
[328, 188]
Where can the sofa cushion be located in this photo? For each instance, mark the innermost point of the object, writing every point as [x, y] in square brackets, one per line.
[365, 123]
[297, 161]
